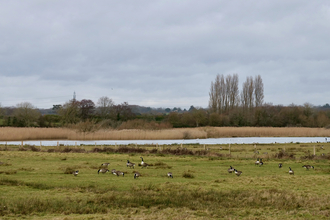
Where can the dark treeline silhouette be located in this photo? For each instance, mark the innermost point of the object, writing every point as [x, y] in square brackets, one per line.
[128, 116]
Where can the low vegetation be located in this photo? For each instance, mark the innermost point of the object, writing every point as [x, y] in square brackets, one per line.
[39, 184]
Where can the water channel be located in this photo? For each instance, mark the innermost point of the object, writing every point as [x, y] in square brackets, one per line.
[208, 141]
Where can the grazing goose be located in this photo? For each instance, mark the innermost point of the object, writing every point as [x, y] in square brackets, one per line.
[257, 162]
[231, 169]
[308, 167]
[136, 175]
[143, 164]
[238, 173]
[105, 164]
[169, 174]
[261, 163]
[117, 173]
[102, 170]
[130, 165]
[75, 173]
[291, 171]
[280, 165]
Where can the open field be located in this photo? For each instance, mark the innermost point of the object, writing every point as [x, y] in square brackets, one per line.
[38, 184]
[16, 134]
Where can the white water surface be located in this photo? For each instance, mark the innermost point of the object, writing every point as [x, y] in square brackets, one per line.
[237, 140]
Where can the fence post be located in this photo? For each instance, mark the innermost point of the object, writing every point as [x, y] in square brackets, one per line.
[76, 144]
[229, 150]
[22, 144]
[204, 147]
[314, 150]
[40, 145]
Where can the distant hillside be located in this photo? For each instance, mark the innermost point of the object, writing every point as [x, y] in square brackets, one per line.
[49, 111]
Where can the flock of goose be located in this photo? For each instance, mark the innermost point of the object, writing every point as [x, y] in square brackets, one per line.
[129, 164]
[259, 162]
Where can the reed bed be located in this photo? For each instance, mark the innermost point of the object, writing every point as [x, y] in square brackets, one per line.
[16, 134]
[215, 132]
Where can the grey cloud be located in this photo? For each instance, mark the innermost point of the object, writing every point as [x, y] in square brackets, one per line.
[164, 51]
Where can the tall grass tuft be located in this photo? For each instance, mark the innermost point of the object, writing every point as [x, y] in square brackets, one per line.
[188, 175]
[152, 196]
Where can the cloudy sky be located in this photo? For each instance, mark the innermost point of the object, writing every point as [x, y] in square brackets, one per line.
[162, 53]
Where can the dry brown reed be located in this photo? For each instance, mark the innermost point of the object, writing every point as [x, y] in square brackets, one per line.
[215, 132]
[16, 134]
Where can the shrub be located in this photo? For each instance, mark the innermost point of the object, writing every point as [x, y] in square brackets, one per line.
[283, 154]
[186, 135]
[69, 170]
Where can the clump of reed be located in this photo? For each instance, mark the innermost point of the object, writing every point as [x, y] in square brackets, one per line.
[144, 125]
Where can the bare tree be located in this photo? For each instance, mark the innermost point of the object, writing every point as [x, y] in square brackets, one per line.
[247, 97]
[86, 107]
[227, 92]
[258, 91]
[70, 112]
[105, 107]
[232, 91]
[224, 93]
[217, 94]
[251, 91]
[123, 112]
[26, 114]
[1, 111]
[199, 115]
[213, 98]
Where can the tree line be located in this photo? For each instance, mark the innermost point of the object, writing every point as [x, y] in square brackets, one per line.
[227, 107]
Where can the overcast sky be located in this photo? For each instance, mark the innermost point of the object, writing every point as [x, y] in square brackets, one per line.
[162, 53]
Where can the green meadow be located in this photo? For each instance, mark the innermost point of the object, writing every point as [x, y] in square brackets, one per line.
[37, 183]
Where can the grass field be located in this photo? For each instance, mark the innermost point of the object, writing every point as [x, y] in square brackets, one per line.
[38, 184]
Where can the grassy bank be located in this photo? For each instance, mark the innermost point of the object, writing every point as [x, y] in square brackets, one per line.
[14, 134]
[38, 184]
